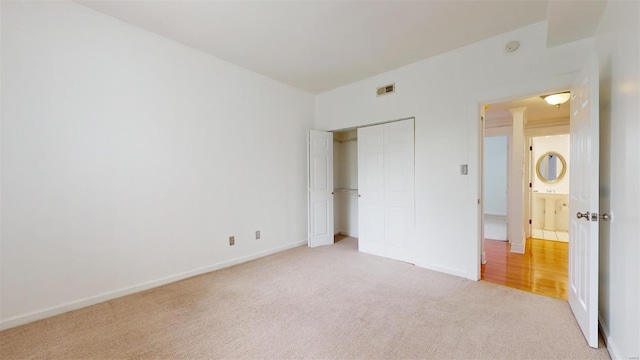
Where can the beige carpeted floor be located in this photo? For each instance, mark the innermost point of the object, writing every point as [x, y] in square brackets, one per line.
[329, 302]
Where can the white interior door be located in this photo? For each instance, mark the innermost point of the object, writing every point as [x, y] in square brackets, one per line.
[583, 193]
[371, 190]
[320, 188]
[386, 190]
[399, 196]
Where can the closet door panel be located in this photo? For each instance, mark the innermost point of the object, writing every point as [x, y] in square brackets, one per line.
[395, 227]
[399, 189]
[371, 190]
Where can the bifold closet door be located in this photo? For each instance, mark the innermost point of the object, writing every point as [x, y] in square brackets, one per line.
[371, 190]
[386, 189]
[399, 169]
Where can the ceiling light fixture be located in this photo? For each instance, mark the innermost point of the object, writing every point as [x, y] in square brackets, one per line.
[557, 99]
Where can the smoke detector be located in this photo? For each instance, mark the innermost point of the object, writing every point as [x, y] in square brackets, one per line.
[512, 46]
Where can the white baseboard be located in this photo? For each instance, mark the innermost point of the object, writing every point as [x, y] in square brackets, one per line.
[92, 300]
[495, 214]
[517, 248]
[444, 269]
[611, 346]
[347, 233]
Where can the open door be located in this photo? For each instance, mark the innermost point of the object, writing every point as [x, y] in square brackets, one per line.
[583, 194]
[320, 212]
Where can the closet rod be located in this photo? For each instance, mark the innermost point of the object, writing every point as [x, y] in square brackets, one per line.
[344, 189]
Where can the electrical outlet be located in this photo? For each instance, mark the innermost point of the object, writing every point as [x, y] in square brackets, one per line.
[232, 240]
[464, 169]
[257, 234]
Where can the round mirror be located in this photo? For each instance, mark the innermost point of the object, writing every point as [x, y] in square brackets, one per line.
[551, 167]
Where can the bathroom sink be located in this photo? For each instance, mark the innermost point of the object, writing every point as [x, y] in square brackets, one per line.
[550, 208]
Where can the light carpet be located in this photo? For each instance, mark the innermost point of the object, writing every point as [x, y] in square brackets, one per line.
[329, 302]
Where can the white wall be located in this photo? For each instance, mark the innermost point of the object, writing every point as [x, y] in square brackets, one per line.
[444, 94]
[128, 160]
[345, 173]
[495, 175]
[618, 40]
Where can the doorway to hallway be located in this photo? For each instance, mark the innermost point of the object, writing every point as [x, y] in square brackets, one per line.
[510, 175]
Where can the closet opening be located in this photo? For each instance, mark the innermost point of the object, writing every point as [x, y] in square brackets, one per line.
[361, 188]
[345, 182]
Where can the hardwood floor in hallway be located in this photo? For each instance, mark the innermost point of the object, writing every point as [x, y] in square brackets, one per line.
[542, 269]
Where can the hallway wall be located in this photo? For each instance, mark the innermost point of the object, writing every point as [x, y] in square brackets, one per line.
[495, 175]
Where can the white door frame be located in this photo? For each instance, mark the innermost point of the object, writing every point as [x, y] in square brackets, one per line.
[528, 183]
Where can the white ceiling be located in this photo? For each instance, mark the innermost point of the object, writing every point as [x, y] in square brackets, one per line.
[320, 45]
[568, 22]
[537, 111]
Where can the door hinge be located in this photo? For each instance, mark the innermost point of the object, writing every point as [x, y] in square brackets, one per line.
[530, 148]
[529, 221]
[530, 185]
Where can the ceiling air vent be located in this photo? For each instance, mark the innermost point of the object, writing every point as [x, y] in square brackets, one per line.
[387, 89]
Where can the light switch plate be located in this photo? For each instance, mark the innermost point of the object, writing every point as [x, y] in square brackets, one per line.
[257, 234]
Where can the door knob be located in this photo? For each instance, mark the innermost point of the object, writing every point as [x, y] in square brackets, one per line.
[583, 215]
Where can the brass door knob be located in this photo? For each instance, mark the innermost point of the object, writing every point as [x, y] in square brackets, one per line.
[583, 215]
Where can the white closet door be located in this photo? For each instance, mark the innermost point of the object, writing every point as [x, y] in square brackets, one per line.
[386, 190]
[399, 189]
[320, 188]
[371, 190]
